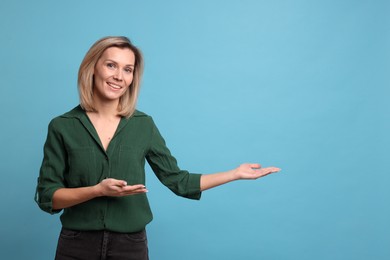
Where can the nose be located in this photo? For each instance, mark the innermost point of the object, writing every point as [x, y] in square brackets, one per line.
[118, 75]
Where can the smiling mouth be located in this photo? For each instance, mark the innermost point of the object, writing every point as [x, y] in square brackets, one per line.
[114, 86]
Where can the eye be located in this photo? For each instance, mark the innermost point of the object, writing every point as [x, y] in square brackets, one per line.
[129, 70]
[111, 65]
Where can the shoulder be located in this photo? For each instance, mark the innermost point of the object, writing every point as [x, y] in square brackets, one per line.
[76, 112]
[142, 119]
[141, 116]
[67, 117]
[138, 113]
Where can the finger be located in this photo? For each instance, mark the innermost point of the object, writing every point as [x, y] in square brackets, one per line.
[120, 183]
[274, 169]
[140, 190]
[134, 187]
[269, 169]
[255, 165]
[134, 192]
[265, 171]
[114, 182]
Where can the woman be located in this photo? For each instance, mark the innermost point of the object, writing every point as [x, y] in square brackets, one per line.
[94, 158]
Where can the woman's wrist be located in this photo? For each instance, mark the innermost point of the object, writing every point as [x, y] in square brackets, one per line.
[234, 175]
[97, 190]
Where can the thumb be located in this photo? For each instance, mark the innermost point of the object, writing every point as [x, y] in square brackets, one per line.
[255, 165]
[119, 183]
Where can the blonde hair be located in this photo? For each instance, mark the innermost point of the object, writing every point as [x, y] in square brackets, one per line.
[128, 100]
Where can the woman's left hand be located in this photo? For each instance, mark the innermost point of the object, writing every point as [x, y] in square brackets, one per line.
[246, 171]
[252, 171]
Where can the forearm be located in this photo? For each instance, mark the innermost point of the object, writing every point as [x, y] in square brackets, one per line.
[68, 197]
[209, 181]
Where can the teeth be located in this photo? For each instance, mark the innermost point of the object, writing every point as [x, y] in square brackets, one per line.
[114, 86]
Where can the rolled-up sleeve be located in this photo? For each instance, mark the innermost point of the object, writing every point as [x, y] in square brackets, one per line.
[164, 165]
[51, 176]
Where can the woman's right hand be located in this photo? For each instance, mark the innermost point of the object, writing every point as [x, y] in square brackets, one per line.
[118, 188]
[68, 197]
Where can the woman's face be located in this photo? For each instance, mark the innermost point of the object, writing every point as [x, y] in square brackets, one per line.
[113, 74]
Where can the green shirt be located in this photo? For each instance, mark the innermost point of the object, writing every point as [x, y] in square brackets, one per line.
[74, 157]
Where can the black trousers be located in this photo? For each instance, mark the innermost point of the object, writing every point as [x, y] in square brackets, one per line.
[101, 245]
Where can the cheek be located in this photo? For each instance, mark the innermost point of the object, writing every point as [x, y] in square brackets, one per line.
[129, 80]
[101, 74]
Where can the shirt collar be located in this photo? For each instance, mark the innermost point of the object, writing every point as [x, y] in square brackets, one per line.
[79, 112]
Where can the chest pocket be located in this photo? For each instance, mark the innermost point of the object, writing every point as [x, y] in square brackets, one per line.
[82, 167]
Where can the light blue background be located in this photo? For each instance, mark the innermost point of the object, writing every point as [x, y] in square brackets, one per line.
[300, 84]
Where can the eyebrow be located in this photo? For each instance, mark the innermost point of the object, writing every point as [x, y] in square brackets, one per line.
[130, 65]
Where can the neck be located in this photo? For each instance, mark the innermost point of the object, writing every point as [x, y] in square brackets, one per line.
[106, 109]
